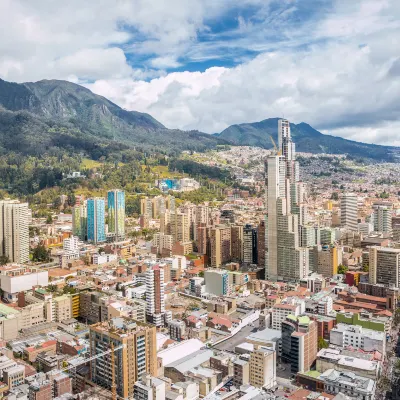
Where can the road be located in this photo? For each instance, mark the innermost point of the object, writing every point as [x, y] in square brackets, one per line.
[240, 337]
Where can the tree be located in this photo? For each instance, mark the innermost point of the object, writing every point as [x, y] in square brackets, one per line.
[335, 196]
[40, 254]
[49, 219]
[52, 288]
[57, 202]
[201, 274]
[4, 260]
[342, 269]
[322, 343]
[71, 200]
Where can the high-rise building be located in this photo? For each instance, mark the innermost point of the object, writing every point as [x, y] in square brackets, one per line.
[180, 228]
[79, 220]
[261, 244]
[263, 368]
[250, 254]
[155, 309]
[382, 218]
[237, 242]
[329, 258]
[14, 231]
[299, 342]
[286, 212]
[158, 206]
[220, 240]
[96, 220]
[146, 207]
[170, 203]
[384, 266]
[116, 213]
[349, 211]
[137, 356]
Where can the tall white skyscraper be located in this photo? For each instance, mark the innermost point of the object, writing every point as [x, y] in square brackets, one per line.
[14, 231]
[286, 211]
[348, 212]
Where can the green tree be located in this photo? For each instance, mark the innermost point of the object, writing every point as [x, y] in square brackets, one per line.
[49, 219]
[40, 254]
[335, 196]
[4, 260]
[57, 202]
[342, 269]
[71, 200]
[322, 343]
[52, 288]
[201, 274]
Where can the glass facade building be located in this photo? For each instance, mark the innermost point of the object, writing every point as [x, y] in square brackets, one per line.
[116, 213]
[96, 220]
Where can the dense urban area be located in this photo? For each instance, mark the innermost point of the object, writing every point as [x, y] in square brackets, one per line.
[232, 273]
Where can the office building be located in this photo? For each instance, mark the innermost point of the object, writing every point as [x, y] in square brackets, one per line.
[299, 342]
[116, 213]
[96, 220]
[382, 218]
[14, 231]
[250, 253]
[220, 245]
[155, 308]
[217, 282]
[79, 221]
[349, 212]
[237, 243]
[384, 266]
[286, 211]
[344, 335]
[137, 353]
[263, 368]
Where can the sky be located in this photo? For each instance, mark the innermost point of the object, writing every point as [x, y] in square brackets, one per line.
[208, 64]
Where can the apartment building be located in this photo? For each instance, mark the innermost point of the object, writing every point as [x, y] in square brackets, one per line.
[384, 266]
[137, 353]
[290, 306]
[263, 368]
[220, 240]
[216, 282]
[349, 212]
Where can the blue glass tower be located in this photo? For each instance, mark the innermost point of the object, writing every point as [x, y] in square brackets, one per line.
[96, 220]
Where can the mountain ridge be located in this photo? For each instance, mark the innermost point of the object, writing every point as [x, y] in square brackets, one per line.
[307, 140]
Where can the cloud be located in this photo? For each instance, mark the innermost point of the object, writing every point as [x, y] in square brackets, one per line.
[331, 63]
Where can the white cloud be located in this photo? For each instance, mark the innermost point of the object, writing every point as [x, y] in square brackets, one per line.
[338, 70]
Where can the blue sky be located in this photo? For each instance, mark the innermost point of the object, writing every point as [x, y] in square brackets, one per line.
[207, 64]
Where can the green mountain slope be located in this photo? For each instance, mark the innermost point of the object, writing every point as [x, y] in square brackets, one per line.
[307, 139]
[42, 111]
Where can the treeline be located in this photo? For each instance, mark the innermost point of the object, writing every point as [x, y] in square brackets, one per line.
[196, 169]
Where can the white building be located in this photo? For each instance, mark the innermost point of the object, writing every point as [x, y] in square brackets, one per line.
[280, 311]
[104, 258]
[155, 309]
[349, 212]
[217, 282]
[14, 230]
[344, 335]
[382, 218]
[18, 278]
[71, 244]
[349, 384]
[149, 388]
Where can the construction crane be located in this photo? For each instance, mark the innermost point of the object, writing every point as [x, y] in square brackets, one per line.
[278, 152]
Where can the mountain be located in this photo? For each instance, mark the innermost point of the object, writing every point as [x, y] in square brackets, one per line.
[50, 113]
[307, 140]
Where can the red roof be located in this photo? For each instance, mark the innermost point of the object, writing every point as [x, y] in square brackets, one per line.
[42, 346]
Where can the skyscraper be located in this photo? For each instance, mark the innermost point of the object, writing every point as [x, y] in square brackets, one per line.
[286, 211]
[348, 210]
[155, 308]
[250, 255]
[220, 244]
[382, 218]
[116, 213]
[96, 220]
[79, 221]
[14, 231]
